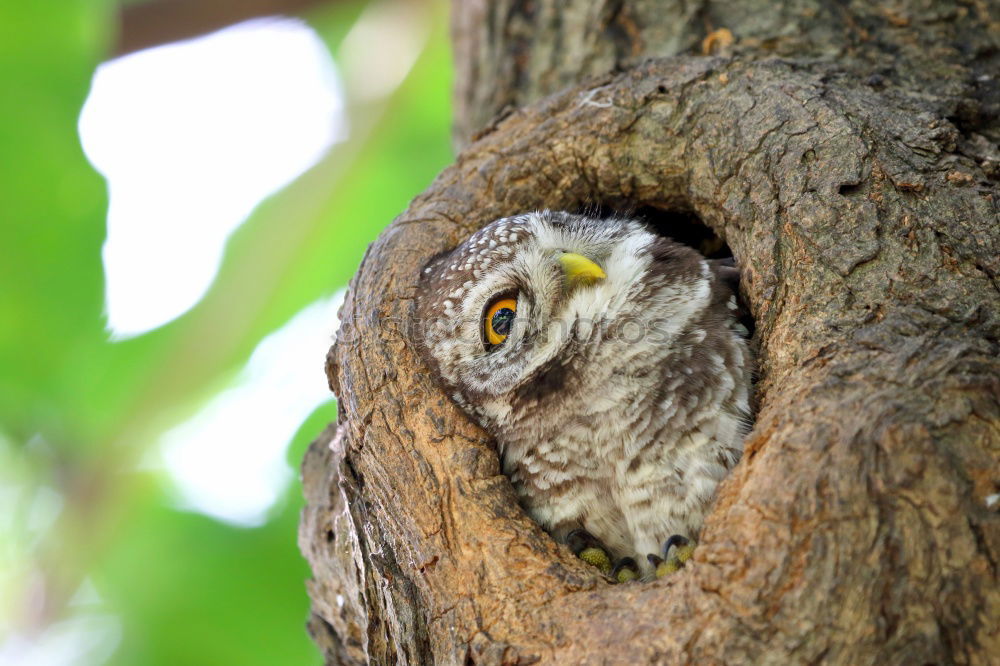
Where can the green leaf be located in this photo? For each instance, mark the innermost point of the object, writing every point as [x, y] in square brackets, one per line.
[53, 207]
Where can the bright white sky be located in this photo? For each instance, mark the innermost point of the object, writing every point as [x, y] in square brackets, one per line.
[229, 460]
[191, 137]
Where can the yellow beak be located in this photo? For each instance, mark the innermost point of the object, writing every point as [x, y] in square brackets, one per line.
[579, 269]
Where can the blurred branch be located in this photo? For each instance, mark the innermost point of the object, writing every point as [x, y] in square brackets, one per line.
[156, 22]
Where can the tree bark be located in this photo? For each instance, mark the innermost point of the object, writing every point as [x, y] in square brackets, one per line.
[150, 23]
[848, 157]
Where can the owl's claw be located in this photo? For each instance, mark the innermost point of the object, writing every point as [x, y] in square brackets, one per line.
[671, 562]
[589, 549]
[625, 570]
[685, 548]
[676, 551]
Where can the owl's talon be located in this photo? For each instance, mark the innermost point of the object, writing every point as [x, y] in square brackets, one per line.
[625, 570]
[589, 549]
[665, 567]
[674, 540]
[683, 548]
[672, 562]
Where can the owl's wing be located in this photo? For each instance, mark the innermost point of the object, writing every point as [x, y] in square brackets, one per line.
[728, 286]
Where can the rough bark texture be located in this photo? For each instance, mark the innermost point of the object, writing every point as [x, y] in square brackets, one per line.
[512, 52]
[858, 191]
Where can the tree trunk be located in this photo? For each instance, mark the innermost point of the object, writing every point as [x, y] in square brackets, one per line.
[848, 157]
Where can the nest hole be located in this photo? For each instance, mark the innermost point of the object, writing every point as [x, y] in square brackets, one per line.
[681, 226]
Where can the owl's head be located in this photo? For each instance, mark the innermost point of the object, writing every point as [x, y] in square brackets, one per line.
[541, 297]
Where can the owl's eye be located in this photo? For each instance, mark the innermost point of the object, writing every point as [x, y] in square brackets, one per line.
[498, 319]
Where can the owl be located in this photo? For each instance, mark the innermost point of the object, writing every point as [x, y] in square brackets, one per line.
[609, 365]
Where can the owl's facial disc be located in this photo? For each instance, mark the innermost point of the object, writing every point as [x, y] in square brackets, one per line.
[526, 292]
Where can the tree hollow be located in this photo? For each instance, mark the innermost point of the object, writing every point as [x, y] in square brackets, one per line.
[857, 528]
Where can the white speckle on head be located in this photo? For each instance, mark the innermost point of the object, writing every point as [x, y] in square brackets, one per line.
[991, 500]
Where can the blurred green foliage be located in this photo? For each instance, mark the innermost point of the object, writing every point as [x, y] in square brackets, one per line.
[79, 413]
[53, 206]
